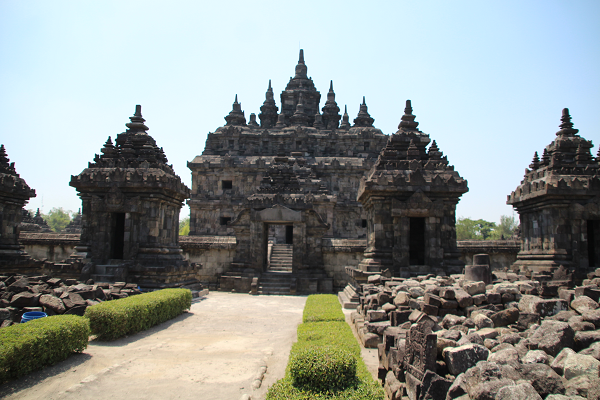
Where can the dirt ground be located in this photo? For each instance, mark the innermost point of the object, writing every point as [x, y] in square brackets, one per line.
[215, 351]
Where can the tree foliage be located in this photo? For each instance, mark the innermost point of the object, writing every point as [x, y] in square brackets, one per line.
[58, 219]
[184, 227]
[468, 229]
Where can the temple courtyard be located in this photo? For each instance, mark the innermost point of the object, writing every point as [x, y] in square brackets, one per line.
[216, 351]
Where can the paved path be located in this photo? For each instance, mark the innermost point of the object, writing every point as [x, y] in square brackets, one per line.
[215, 351]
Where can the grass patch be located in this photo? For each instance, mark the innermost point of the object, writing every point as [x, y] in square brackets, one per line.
[27, 347]
[320, 359]
[322, 307]
[116, 318]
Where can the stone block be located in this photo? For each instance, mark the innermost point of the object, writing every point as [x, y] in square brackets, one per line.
[521, 391]
[24, 299]
[402, 299]
[459, 359]
[432, 299]
[576, 365]
[54, 303]
[505, 317]
[429, 309]
[590, 291]
[552, 336]
[473, 288]
[447, 293]
[376, 315]
[583, 303]
[543, 307]
[463, 298]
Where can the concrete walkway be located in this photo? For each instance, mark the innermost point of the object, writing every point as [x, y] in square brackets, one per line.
[215, 351]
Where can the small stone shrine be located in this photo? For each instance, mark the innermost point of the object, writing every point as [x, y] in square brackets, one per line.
[558, 202]
[131, 200]
[14, 194]
[410, 198]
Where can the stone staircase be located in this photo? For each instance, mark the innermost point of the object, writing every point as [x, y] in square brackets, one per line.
[112, 272]
[277, 283]
[281, 258]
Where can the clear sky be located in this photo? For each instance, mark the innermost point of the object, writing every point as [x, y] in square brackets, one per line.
[487, 79]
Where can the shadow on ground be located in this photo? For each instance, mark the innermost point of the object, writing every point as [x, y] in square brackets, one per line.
[36, 377]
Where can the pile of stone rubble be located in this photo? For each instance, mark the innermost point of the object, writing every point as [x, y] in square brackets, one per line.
[451, 338]
[20, 294]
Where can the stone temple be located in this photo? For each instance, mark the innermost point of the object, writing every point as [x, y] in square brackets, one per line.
[558, 202]
[131, 200]
[304, 188]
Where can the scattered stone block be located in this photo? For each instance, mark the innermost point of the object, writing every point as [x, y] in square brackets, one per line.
[460, 359]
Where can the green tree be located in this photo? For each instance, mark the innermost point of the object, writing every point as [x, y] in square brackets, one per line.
[58, 219]
[184, 227]
[468, 229]
[506, 228]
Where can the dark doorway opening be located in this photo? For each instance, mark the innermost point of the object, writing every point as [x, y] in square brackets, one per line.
[289, 234]
[416, 237]
[118, 236]
[593, 237]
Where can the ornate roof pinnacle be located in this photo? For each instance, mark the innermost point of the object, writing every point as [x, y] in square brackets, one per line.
[566, 126]
[236, 116]
[137, 121]
[345, 119]
[331, 86]
[535, 163]
[301, 67]
[408, 122]
[363, 118]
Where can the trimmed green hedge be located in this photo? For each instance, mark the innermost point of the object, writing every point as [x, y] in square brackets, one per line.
[322, 368]
[323, 337]
[322, 307]
[116, 318]
[41, 342]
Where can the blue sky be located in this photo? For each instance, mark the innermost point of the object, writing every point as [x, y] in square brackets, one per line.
[487, 79]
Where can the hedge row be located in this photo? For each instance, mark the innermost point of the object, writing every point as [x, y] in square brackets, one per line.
[116, 318]
[39, 343]
[319, 365]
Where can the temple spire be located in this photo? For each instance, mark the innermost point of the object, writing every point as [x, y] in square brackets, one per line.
[236, 116]
[345, 119]
[137, 122]
[363, 118]
[566, 126]
[301, 67]
[408, 122]
[300, 117]
[268, 111]
[5, 165]
[331, 111]
[535, 163]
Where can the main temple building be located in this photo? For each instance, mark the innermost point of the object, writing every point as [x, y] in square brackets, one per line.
[286, 187]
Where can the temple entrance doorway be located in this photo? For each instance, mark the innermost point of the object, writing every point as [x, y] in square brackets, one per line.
[416, 249]
[279, 247]
[593, 239]
[118, 236]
